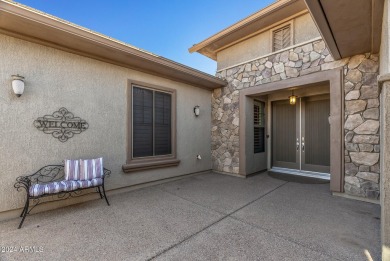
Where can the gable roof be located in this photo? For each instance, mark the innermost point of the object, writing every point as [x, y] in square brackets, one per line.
[35, 26]
[249, 26]
[348, 27]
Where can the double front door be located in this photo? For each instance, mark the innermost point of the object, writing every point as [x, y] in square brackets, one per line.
[301, 135]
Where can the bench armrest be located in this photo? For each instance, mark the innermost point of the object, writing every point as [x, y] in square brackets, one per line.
[106, 172]
[46, 174]
[22, 182]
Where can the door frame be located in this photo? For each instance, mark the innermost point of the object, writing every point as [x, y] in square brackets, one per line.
[334, 78]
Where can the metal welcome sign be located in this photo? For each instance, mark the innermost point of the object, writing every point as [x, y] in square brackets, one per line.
[62, 124]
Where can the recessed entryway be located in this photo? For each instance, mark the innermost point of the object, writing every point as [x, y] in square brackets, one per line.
[309, 138]
[301, 136]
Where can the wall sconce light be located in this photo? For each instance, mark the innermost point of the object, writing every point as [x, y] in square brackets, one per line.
[18, 84]
[196, 110]
[293, 98]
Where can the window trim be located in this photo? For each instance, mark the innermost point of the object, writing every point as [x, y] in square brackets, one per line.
[291, 24]
[149, 162]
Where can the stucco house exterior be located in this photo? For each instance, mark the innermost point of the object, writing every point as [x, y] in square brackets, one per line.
[302, 88]
[326, 55]
[99, 80]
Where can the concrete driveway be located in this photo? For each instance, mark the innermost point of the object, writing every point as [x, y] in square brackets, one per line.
[204, 217]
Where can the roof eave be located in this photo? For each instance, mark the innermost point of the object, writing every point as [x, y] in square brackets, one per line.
[322, 24]
[209, 48]
[356, 31]
[32, 25]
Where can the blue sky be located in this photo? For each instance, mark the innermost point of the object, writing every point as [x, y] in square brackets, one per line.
[164, 27]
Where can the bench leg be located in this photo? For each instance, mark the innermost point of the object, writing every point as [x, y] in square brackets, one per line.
[100, 193]
[25, 211]
[104, 193]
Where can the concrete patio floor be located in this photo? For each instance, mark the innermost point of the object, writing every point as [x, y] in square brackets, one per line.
[204, 217]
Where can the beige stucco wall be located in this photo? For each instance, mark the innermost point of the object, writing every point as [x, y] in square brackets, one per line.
[385, 170]
[385, 135]
[96, 92]
[253, 47]
[260, 45]
[305, 29]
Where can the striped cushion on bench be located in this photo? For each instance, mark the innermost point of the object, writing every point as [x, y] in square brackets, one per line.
[90, 183]
[91, 169]
[72, 170]
[63, 186]
[54, 187]
[70, 185]
[51, 188]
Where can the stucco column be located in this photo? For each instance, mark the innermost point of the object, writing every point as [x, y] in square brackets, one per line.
[385, 166]
[384, 82]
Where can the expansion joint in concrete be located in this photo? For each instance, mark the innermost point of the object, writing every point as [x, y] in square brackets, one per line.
[213, 223]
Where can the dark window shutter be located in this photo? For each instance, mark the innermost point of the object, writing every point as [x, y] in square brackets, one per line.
[142, 122]
[162, 127]
[259, 140]
[259, 127]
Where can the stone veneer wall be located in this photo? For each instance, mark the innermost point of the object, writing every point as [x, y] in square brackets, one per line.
[361, 109]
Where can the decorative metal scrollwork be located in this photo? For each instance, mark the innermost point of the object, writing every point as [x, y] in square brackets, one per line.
[62, 124]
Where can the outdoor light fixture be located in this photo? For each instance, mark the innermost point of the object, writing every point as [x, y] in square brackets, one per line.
[196, 110]
[293, 98]
[18, 84]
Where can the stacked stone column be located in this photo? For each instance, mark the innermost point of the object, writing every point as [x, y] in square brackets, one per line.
[362, 127]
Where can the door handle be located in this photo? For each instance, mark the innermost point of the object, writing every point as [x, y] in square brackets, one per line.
[303, 144]
[297, 143]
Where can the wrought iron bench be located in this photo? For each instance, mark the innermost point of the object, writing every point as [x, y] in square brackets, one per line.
[49, 181]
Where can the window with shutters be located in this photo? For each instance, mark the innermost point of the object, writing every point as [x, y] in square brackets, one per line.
[152, 127]
[151, 122]
[281, 38]
[259, 126]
